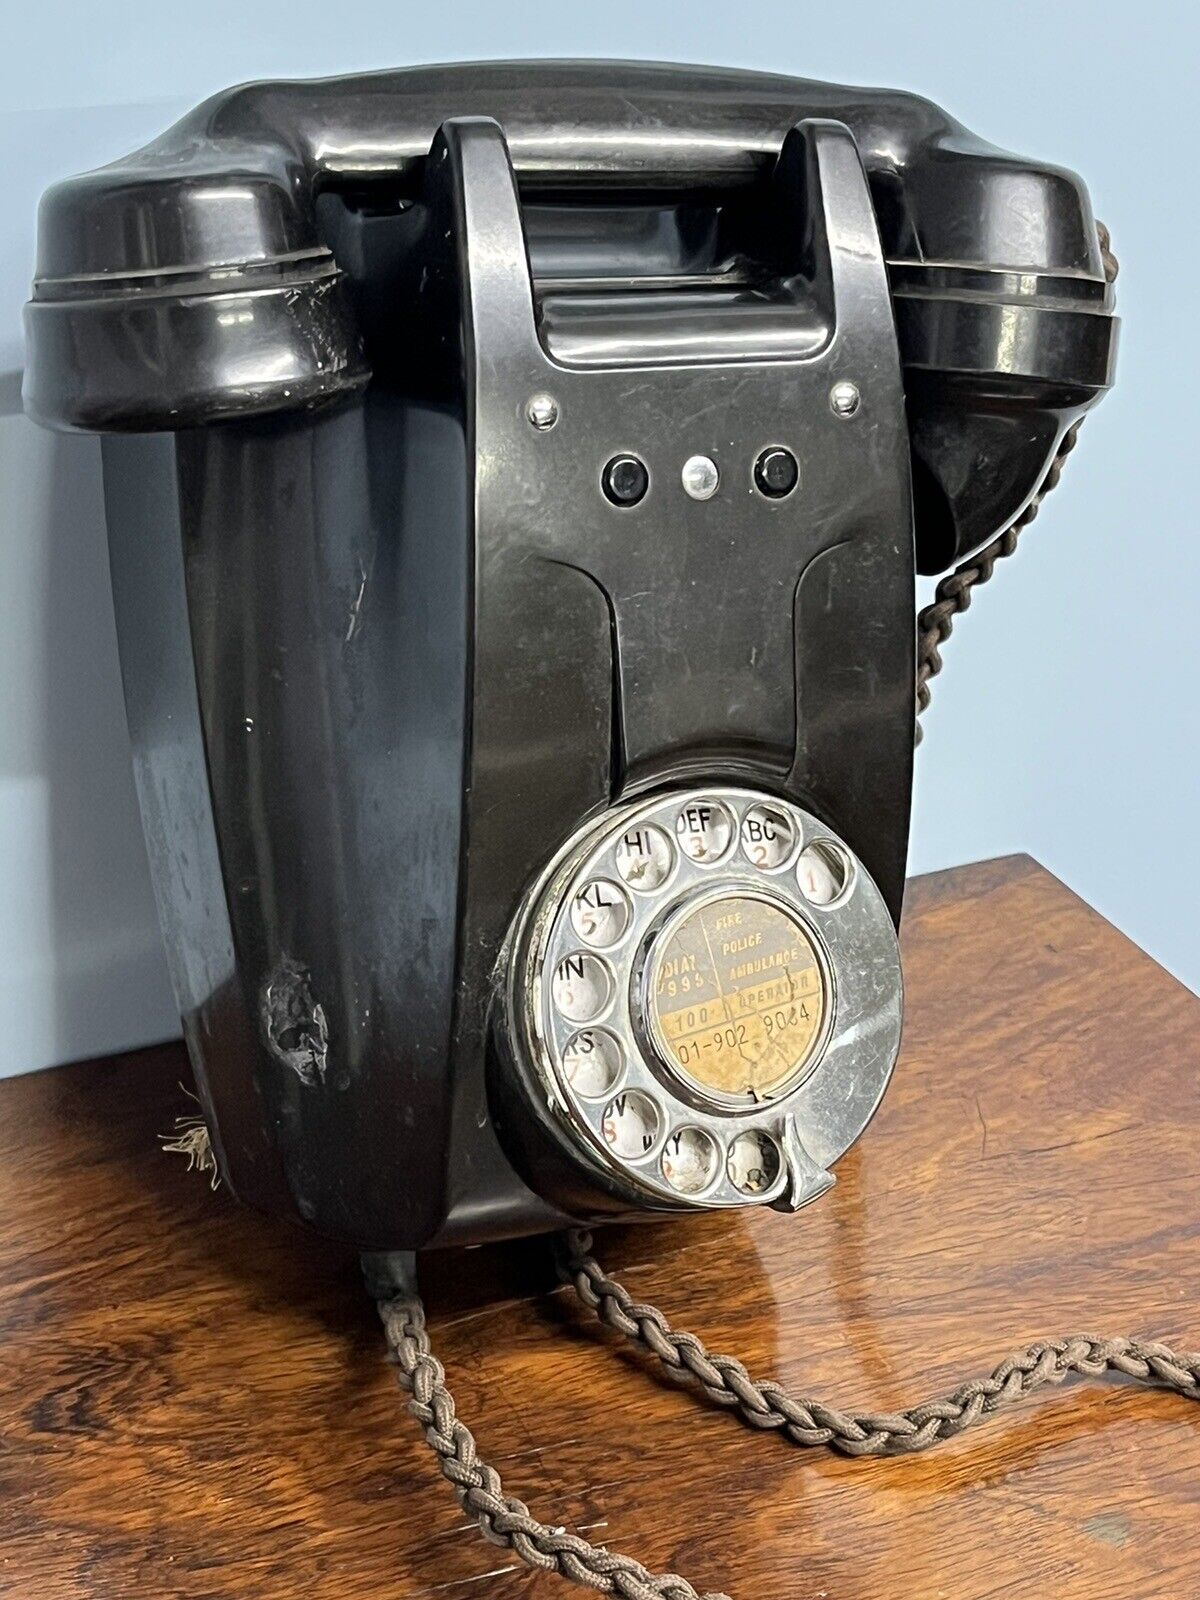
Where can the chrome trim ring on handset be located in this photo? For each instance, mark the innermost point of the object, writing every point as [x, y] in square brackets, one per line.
[704, 999]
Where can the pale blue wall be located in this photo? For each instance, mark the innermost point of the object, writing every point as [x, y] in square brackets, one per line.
[1068, 722]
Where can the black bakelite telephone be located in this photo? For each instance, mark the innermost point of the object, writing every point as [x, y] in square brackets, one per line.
[516, 479]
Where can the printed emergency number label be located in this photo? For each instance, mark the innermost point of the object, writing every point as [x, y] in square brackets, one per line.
[737, 998]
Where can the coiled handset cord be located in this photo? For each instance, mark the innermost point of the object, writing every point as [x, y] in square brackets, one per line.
[507, 1521]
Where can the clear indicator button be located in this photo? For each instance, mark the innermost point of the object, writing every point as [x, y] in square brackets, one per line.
[768, 837]
[645, 857]
[822, 872]
[630, 1125]
[704, 830]
[592, 1063]
[600, 913]
[753, 1163]
[690, 1160]
[582, 986]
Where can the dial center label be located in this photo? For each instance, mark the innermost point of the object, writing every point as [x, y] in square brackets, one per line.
[738, 998]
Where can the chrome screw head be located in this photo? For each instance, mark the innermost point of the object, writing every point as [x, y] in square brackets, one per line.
[844, 398]
[700, 477]
[541, 412]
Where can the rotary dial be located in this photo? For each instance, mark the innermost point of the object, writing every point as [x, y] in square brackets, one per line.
[688, 980]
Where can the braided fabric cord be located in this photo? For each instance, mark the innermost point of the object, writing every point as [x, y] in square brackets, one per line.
[812, 1423]
[767, 1406]
[501, 1517]
[935, 622]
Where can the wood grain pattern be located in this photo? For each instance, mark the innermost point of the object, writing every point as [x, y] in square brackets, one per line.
[195, 1402]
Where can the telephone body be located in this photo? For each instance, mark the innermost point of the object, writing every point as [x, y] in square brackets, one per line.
[516, 478]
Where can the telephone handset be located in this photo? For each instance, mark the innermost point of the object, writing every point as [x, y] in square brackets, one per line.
[516, 479]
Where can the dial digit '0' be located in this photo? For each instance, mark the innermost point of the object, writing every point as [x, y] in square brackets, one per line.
[753, 1162]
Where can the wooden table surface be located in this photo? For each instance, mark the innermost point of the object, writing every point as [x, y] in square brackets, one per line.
[195, 1401]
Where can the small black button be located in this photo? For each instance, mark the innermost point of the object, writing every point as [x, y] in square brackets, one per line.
[625, 480]
[776, 472]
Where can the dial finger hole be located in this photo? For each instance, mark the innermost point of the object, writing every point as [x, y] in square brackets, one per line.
[631, 1125]
[704, 830]
[582, 986]
[645, 857]
[823, 872]
[600, 913]
[769, 837]
[592, 1061]
[753, 1163]
[690, 1160]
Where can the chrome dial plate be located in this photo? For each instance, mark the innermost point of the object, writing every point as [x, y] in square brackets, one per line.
[704, 997]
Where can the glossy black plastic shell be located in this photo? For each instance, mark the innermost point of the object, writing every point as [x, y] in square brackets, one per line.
[1003, 315]
[386, 645]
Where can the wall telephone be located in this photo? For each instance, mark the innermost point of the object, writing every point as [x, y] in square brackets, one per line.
[516, 479]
